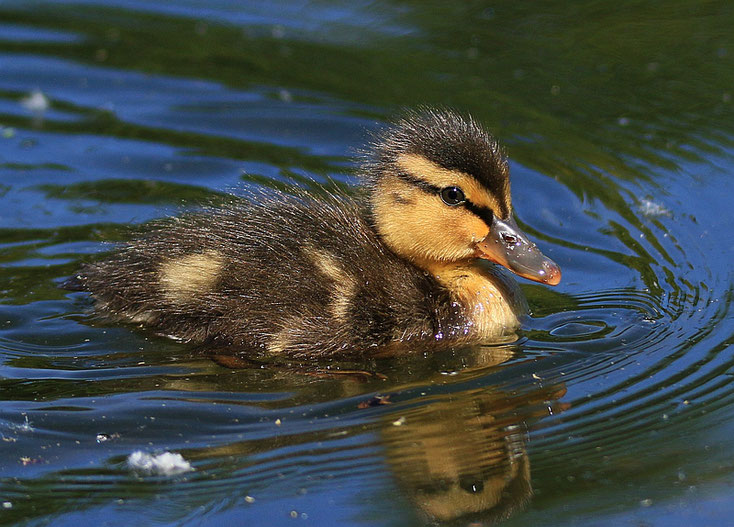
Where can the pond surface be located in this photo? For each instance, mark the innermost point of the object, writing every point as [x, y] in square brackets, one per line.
[615, 407]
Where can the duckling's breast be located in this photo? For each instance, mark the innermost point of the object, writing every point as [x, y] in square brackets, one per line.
[491, 303]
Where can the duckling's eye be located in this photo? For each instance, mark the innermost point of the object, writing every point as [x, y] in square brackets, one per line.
[452, 196]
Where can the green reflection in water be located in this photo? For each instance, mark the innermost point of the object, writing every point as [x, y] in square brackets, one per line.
[131, 191]
[104, 123]
[523, 68]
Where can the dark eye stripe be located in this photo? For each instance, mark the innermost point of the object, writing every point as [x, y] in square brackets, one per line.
[423, 185]
[485, 213]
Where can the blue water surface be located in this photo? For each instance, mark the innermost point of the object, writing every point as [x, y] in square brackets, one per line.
[615, 405]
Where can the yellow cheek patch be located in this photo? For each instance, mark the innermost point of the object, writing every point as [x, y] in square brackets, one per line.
[448, 233]
[425, 228]
[428, 171]
[191, 276]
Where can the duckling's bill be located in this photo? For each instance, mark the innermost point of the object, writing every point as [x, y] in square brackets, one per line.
[508, 246]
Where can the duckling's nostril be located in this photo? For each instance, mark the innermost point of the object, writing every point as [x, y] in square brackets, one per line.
[509, 239]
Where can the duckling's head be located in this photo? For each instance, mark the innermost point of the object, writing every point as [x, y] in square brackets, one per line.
[440, 194]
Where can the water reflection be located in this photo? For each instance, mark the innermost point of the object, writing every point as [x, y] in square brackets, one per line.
[463, 457]
[458, 454]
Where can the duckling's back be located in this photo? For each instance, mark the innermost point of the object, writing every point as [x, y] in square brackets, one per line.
[291, 275]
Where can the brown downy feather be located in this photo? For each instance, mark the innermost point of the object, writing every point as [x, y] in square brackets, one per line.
[282, 264]
[300, 275]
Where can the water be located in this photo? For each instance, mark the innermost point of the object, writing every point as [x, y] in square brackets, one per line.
[614, 407]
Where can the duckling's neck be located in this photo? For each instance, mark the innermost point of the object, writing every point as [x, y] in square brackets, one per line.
[491, 302]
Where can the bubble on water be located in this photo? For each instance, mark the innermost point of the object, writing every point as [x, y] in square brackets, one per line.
[35, 102]
[650, 208]
[165, 464]
[25, 427]
[103, 438]
[285, 95]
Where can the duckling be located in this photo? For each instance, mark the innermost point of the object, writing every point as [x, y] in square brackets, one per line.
[410, 262]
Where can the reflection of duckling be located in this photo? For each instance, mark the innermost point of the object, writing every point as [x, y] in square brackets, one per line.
[297, 275]
[463, 457]
[459, 457]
